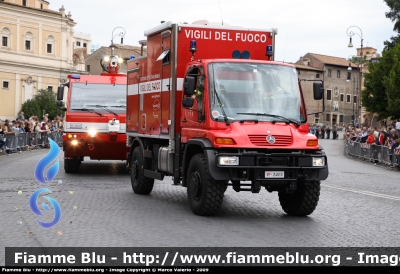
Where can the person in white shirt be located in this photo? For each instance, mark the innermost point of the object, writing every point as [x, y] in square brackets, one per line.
[398, 127]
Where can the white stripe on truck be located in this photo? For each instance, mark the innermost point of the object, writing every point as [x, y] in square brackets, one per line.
[160, 85]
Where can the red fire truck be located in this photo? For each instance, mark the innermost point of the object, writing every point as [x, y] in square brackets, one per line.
[210, 107]
[95, 118]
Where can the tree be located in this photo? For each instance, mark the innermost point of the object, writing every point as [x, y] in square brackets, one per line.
[394, 13]
[394, 40]
[31, 108]
[392, 84]
[47, 101]
[379, 89]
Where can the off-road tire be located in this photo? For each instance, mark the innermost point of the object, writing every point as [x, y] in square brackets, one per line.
[205, 195]
[303, 200]
[140, 183]
[71, 165]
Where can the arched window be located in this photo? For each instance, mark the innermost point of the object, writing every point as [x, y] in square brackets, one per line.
[5, 38]
[50, 44]
[28, 41]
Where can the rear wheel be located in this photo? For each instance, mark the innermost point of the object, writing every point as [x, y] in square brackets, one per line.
[140, 183]
[204, 193]
[71, 165]
[303, 200]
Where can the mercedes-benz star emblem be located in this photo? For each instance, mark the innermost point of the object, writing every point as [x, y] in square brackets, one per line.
[271, 139]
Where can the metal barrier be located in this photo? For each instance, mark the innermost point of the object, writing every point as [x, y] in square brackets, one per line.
[17, 142]
[373, 153]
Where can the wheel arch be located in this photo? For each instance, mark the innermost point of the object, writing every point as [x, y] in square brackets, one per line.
[195, 146]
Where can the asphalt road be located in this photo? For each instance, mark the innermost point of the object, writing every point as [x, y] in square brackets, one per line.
[359, 207]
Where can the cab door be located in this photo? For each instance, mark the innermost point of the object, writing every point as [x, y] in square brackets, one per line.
[195, 116]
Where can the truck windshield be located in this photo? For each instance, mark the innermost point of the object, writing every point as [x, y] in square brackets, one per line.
[101, 97]
[255, 92]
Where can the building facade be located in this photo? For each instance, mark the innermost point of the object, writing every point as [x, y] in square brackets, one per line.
[342, 91]
[36, 51]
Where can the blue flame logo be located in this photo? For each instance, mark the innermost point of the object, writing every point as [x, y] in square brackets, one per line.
[40, 176]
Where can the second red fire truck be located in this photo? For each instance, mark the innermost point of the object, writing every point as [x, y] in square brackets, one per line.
[211, 108]
[94, 124]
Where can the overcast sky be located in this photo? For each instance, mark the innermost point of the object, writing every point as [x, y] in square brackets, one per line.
[317, 26]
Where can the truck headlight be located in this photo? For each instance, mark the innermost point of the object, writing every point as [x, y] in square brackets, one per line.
[318, 161]
[74, 142]
[228, 160]
[92, 133]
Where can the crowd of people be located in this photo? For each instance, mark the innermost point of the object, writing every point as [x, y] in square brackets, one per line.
[31, 125]
[385, 136]
[323, 131]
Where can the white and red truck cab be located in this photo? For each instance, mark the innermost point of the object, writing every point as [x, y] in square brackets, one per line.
[210, 107]
[95, 118]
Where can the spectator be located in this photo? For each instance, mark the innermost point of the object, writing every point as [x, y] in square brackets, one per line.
[398, 127]
[44, 127]
[328, 132]
[334, 132]
[29, 131]
[370, 139]
[2, 142]
[7, 130]
[51, 126]
[36, 127]
[364, 136]
[46, 118]
[322, 134]
[391, 143]
[21, 116]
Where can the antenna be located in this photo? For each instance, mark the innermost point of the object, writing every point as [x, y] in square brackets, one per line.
[220, 12]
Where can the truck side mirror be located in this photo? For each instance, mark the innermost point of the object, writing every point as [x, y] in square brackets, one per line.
[188, 86]
[318, 89]
[60, 93]
[187, 102]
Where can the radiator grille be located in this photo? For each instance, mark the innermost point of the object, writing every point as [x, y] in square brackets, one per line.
[261, 140]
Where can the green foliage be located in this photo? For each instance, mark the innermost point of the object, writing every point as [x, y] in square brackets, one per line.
[392, 84]
[394, 13]
[380, 90]
[394, 40]
[31, 108]
[45, 100]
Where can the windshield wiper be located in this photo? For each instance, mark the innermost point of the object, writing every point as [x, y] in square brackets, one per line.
[103, 107]
[88, 110]
[120, 106]
[297, 123]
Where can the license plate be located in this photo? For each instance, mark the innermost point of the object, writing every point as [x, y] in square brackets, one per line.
[274, 174]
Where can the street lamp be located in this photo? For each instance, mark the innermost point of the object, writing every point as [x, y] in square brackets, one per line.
[111, 63]
[350, 33]
[120, 34]
[349, 69]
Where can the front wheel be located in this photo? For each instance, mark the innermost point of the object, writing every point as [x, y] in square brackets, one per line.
[204, 193]
[140, 183]
[303, 200]
[71, 165]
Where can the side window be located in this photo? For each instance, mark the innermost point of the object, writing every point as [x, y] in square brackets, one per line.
[199, 92]
[200, 88]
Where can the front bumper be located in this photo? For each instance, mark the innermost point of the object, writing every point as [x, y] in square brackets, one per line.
[256, 166]
[101, 147]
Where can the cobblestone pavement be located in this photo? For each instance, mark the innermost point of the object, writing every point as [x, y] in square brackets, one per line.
[359, 207]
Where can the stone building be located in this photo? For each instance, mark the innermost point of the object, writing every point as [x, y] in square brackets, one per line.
[36, 51]
[341, 86]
